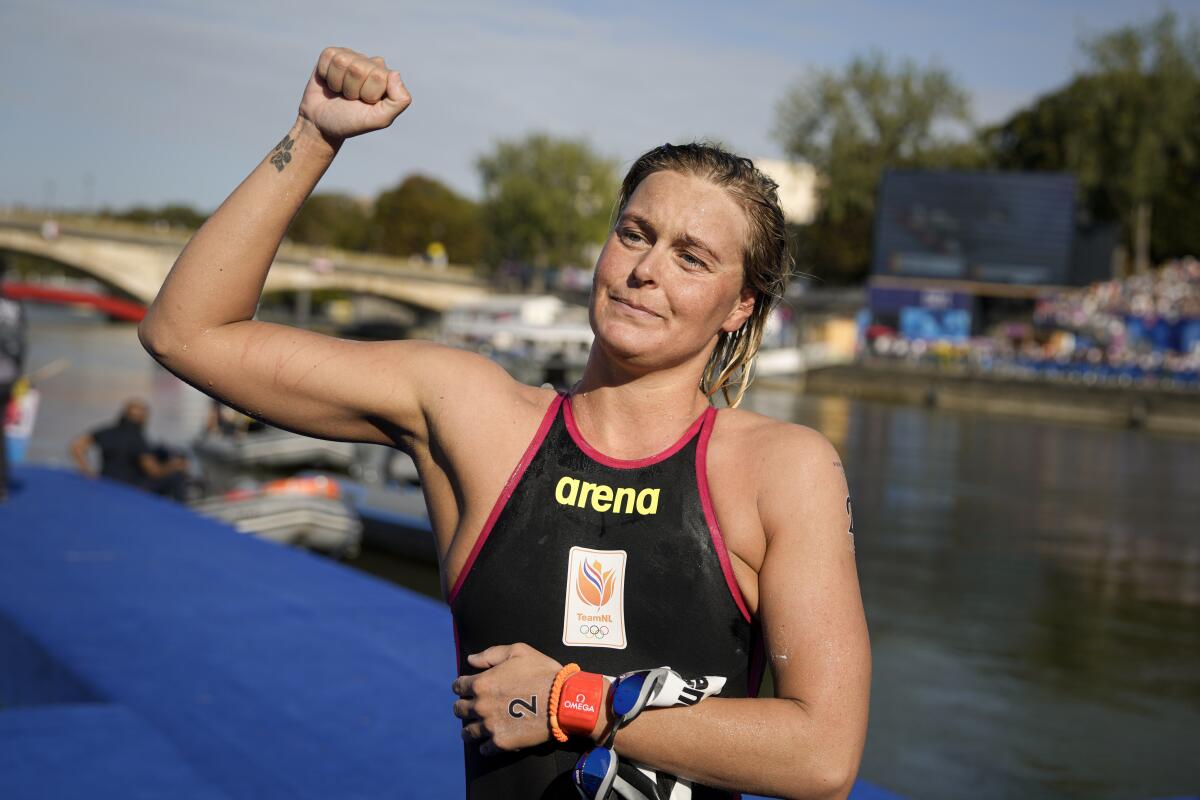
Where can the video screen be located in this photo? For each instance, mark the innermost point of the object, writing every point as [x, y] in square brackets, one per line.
[997, 227]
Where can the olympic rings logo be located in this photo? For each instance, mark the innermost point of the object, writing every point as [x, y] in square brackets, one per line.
[594, 631]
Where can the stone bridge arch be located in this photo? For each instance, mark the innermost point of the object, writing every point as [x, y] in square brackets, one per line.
[137, 267]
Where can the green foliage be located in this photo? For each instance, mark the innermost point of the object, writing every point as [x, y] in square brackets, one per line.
[834, 253]
[421, 210]
[331, 220]
[175, 215]
[1128, 127]
[546, 200]
[854, 124]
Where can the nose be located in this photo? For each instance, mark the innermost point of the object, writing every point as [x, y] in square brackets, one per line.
[646, 269]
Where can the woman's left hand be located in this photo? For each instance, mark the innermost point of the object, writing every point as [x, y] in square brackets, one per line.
[505, 705]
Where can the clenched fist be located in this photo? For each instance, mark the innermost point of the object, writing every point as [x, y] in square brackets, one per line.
[349, 94]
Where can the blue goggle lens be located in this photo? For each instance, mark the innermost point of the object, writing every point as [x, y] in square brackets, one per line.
[591, 770]
[625, 696]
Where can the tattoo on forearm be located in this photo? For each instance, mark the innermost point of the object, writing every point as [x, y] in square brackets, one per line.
[281, 156]
[850, 514]
[849, 510]
[518, 703]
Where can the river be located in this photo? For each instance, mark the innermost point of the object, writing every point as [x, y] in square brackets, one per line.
[1032, 589]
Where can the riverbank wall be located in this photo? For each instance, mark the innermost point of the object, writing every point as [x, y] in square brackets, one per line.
[1161, 410]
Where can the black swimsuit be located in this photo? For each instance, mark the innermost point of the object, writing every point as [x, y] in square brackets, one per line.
[616, 565]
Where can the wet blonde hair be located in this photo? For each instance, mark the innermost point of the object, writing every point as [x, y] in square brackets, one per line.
[766, 260]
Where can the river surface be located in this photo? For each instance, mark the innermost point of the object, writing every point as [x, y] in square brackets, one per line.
[1032, 588]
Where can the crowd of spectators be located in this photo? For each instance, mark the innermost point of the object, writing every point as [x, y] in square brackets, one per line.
[1139, 330]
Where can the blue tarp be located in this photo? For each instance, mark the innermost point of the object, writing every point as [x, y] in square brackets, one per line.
[267, 672]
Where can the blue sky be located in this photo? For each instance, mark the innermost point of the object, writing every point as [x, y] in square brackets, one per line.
[131, 101]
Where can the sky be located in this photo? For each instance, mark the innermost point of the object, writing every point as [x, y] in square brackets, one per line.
[122, 102]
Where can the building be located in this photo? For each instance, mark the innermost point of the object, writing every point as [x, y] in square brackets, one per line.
[797, 188]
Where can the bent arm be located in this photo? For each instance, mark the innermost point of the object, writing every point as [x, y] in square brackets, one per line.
[79, 452]
[201, 325]
[218, 278]
[807, 741]
[152, 467]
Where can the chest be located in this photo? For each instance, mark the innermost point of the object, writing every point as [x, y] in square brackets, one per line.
[676, 505]
[622, 561]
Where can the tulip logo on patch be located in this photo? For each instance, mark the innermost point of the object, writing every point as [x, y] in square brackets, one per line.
[594, 584]
[594, 609]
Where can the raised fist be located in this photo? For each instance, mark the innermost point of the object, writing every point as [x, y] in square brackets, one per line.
[349, 94]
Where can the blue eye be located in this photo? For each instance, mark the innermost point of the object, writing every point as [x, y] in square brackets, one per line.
[630, 235]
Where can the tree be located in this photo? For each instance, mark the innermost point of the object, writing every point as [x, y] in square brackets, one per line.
[854, 124]
[421, 210]
[545, 200]
[331, 220]
[1128, 127]
[176, 215]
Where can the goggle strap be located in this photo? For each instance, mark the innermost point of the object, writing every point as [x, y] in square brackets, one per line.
[627, 791]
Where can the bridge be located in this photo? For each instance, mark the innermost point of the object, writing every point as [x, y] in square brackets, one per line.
[135, 261]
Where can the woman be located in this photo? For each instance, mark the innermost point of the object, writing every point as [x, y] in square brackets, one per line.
[638, 529]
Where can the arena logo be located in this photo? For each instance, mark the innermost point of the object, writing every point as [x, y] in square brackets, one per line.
[603, 498]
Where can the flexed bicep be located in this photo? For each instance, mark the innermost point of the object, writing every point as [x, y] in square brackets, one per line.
[323, 386]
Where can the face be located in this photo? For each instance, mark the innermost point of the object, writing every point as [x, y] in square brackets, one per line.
[669, 278]
[137, 413]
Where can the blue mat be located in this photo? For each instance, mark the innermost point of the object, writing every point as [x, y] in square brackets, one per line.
[89, 751]
[148, 652]
[268, 671]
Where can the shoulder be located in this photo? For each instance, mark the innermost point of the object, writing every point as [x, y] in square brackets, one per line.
[444, 382]
[443, 367]
[750, 438]
[793, 471]
[465, 400]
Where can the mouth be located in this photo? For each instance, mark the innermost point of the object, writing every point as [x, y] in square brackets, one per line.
[636, 308]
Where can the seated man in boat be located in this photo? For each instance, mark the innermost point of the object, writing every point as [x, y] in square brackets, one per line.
[624, 525]
[229, 422]
[126, 455]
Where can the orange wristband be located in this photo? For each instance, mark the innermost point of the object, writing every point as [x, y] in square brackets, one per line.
[555, 691]
[579, 706]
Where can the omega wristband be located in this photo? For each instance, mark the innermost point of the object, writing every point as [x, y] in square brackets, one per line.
[579, 703]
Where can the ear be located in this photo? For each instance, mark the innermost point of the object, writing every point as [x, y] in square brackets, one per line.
[741, 312]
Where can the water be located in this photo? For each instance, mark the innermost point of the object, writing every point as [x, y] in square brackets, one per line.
[107, 366]
[1032, 589]
[1033, 597]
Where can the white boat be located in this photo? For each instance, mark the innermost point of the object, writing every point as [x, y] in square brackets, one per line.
[273, 448]
[522, 333]
[394, 519]
[309, 512]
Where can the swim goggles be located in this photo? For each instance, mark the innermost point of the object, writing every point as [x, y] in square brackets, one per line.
[596, 771]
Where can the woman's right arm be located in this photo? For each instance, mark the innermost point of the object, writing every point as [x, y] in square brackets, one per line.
[201, 325]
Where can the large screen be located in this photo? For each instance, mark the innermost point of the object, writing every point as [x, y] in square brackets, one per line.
[1005, 227]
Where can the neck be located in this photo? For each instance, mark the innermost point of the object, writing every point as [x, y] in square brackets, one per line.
[628, 415]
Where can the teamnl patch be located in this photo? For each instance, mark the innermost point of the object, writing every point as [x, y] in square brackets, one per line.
[594, 612]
